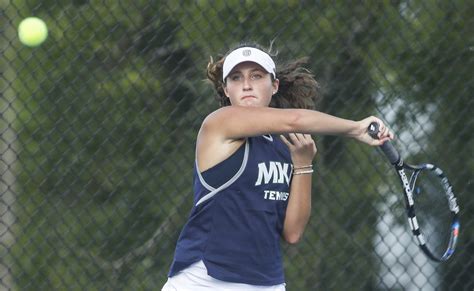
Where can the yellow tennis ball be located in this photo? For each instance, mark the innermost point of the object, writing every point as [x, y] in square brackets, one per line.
[32, 31]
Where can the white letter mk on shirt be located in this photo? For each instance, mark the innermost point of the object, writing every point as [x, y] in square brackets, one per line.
[276, 172]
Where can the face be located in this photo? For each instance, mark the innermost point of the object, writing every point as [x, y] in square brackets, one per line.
[248, 84]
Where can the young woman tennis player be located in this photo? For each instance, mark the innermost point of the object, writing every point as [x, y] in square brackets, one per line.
[252, 176]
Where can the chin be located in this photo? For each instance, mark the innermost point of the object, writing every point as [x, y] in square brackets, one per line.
[252, 103]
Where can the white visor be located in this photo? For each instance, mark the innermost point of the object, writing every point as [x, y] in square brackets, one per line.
[248, 54]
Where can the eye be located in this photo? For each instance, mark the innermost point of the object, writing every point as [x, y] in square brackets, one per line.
[256, 76]
[235, 77]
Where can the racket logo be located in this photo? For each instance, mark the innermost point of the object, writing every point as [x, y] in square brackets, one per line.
[406, 187]
[453, 204]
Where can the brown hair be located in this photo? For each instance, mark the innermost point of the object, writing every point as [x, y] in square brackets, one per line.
[297, 89]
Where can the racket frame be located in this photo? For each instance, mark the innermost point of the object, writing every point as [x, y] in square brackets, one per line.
[408, 185]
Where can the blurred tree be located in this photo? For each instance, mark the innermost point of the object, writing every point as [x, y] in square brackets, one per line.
[108, 108]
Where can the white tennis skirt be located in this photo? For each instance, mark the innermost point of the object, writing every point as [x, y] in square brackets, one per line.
[195, 278]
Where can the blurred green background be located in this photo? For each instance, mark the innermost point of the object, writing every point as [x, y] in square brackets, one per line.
[98, 126]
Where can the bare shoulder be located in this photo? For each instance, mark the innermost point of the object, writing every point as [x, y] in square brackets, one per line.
[213, 146]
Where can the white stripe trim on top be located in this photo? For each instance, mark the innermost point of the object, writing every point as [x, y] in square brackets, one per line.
[213, 190]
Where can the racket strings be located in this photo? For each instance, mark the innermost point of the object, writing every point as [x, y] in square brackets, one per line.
[432, 211]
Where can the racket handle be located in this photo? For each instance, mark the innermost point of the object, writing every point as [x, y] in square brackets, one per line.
[387, 148]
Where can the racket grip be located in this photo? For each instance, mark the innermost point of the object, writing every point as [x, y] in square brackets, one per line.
[390, 152]
[387, 148]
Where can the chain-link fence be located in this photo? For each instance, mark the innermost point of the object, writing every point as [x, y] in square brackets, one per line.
[98, 127]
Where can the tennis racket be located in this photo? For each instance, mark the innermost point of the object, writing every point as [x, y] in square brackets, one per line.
[430, 203]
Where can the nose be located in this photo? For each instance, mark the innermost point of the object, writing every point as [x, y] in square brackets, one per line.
[247, 84]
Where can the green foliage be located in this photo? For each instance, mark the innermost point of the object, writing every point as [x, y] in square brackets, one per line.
[107, 110]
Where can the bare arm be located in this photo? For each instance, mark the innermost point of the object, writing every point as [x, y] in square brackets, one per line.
[225, 129]
[236, 122]
[298, 211]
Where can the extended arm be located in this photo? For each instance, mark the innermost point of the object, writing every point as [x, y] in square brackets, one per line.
[236, 122]
[225, 129]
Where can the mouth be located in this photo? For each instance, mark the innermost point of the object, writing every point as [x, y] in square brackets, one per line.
[249, 97]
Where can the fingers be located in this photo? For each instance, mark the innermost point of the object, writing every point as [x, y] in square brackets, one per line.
[285, 141]
[303, 138]
[297, 139]
[307, 140]
[384, 133]
[302, 147]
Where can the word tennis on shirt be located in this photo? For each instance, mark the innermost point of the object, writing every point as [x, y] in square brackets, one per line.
[275, 195]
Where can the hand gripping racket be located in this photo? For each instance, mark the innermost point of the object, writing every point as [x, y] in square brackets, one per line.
[430, 203]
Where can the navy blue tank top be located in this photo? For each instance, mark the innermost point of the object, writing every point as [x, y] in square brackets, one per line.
[235, 227]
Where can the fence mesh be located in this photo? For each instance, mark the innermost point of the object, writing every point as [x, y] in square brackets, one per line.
[98, 126]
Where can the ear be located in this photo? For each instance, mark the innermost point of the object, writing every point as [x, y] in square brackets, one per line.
[226, 92]
[275, 86]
